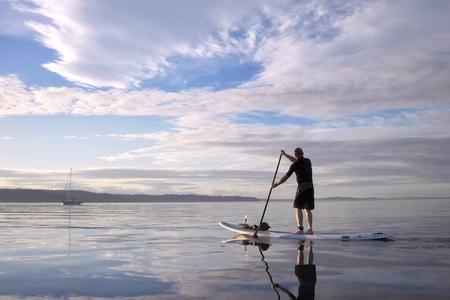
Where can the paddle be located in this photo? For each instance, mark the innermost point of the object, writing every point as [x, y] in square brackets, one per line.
[255, 235]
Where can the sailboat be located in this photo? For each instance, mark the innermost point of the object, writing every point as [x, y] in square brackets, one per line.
[68, 199]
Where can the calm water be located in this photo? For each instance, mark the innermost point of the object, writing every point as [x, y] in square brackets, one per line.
[175, 251]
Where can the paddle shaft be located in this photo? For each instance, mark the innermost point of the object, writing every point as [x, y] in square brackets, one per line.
[268, 197]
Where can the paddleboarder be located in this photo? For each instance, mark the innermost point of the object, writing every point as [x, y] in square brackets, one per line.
[304, 198]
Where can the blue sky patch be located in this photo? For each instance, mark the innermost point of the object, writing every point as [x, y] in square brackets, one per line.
[272, 118]
[65, 125]
[217, 73]
[71, 141]
[25, 57]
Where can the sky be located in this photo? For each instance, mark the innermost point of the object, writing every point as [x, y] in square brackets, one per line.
[199, 97]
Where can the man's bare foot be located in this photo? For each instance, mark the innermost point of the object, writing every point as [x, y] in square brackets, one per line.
[299, 230]
[309, 231]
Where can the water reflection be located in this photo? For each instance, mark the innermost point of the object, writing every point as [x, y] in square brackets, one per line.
[305, 272]
[69, 226]
[174, 251]
[305, 269]
[262, 247]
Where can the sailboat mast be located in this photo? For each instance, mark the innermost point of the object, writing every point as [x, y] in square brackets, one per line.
[68, 192]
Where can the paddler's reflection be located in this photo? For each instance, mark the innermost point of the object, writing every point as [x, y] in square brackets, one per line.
[305, 272]
[305, 269]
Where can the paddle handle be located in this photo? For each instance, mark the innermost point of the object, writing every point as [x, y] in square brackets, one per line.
[268, 197]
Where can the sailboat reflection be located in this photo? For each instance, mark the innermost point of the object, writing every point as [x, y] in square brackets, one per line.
[69, 228]
[305, 269]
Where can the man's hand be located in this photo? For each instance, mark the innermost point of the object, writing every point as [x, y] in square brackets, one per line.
[275, 184]
[283, 152]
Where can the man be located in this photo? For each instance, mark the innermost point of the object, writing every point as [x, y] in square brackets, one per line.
[304, 198]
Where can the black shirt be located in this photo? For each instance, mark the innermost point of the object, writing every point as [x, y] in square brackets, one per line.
[303, 170]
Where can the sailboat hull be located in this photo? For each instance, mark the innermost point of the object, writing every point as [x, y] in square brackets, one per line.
[73, 202]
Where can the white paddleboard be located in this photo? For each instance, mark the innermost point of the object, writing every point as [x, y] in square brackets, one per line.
[301, 237]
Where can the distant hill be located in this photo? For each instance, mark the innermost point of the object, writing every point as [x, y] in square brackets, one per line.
[37, 196]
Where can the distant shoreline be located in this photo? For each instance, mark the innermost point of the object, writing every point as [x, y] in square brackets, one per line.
[55, 196]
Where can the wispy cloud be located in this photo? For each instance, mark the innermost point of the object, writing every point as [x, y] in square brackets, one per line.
[127, 136]
[75, 137]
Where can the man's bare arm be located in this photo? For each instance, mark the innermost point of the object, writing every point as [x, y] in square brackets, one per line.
[291, 158]
[283, 179]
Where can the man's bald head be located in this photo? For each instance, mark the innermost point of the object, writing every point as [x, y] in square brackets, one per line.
[298, 152]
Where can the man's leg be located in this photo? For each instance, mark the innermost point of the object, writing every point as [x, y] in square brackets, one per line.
[310, 221]
[310, 259]
[299, 217]
[300, 256]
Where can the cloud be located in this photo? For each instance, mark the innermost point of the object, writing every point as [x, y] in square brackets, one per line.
[119, 44]
[15, 98]
[127, 136]
[318, 59]
[75, 137]
[365, 65]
